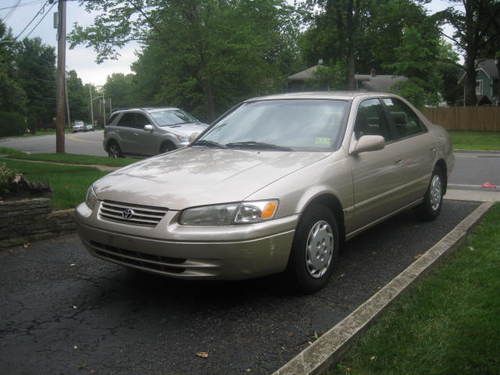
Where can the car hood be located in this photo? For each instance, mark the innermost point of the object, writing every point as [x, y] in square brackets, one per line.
[196, 176]
[186, 129]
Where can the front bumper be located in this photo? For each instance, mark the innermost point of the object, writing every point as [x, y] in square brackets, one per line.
[250, 254]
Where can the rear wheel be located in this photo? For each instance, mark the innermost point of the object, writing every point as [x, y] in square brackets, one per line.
[114, 150]
[430, 208]
[315, 249]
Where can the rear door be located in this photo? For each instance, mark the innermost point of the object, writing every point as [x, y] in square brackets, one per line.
[125, 131]
[415, 149]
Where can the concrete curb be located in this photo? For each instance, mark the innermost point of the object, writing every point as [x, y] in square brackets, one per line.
[327, 350]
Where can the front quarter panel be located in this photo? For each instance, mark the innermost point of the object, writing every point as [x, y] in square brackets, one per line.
[331, 175]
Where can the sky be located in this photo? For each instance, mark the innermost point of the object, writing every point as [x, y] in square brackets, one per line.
[80, 58]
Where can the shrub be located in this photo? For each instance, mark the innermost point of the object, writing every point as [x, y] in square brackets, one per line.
[6, 177]
[11, 124]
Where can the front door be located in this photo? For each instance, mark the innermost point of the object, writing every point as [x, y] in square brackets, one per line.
[144, 142]
[375, 174]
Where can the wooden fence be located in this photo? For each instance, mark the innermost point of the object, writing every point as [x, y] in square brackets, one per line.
[465, 118]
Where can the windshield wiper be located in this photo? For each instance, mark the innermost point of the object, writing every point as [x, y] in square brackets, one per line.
[205, 142]
[258, 145]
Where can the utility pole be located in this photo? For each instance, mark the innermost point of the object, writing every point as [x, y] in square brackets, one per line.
[91, 105]
[61, 76]
[103, 110]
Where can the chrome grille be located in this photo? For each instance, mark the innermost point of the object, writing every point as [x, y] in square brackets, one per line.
[131, 213]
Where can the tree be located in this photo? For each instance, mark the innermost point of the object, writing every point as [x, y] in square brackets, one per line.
[36, 75]
[362, 34]
[12, 95]
[120, 88]
[416, 59]
[203, 55]
[78, 97]
[475, 27]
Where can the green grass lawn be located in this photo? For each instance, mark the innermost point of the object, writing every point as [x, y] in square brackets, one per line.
[471, 140]
[69, 183]
[67, 158]
[448, 324]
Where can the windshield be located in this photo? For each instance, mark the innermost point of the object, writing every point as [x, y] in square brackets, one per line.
[280, 124]
[169, 117]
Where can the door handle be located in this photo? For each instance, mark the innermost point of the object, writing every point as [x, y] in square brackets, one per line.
[398, 162]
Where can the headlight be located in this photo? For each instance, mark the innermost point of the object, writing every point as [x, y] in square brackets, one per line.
[232, 213]
[91, 198]
[182, 138]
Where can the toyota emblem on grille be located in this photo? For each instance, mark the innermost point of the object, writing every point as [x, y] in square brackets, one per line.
[127, 213]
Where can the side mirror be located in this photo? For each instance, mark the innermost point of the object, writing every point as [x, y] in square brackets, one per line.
[148, 128]
[369, 143]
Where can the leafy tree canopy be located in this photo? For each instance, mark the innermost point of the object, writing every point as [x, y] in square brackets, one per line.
[202, 55]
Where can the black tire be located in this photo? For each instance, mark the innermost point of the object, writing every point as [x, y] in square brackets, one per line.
[114, 150]
[430, 208]
[166, 147]
[298, 271]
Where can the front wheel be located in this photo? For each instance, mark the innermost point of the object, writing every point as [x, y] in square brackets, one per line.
[430, 208]
[315, 250]
[166, 147]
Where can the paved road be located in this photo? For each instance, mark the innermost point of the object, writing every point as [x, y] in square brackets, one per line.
[474, 169]
[64, 312]
[89, 143]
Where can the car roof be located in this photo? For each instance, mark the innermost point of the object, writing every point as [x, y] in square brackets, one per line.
[339, 95]
[144, 109]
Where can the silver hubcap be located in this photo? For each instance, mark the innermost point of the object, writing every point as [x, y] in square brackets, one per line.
[319, 249]
[436, 192]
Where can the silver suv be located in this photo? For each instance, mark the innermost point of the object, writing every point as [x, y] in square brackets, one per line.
[149, 131]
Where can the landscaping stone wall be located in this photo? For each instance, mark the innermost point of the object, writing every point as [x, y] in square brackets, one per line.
[27, 220]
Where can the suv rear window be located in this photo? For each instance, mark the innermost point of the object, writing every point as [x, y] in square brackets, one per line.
[127, 120]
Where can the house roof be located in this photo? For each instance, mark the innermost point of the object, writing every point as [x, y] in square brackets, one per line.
[379, 82]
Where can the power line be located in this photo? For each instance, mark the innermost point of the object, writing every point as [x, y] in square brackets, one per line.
[40, 20]
[20, 5]
[40, 11]
[11, 11]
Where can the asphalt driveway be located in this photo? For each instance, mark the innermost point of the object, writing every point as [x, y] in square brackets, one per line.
[65, 312]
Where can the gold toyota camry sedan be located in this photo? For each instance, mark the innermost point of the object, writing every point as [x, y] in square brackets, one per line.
[276, 185]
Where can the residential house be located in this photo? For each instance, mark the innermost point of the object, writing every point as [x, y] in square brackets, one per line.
[487, 82]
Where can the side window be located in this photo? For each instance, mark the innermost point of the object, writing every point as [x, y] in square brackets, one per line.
[371, 120]
[112, 118]
[403, 119]
[127, 120]
[140, 120]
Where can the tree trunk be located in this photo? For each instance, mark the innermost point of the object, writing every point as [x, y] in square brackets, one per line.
[210, 100]
[471, 50]
[470, 82]
[351, 65]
